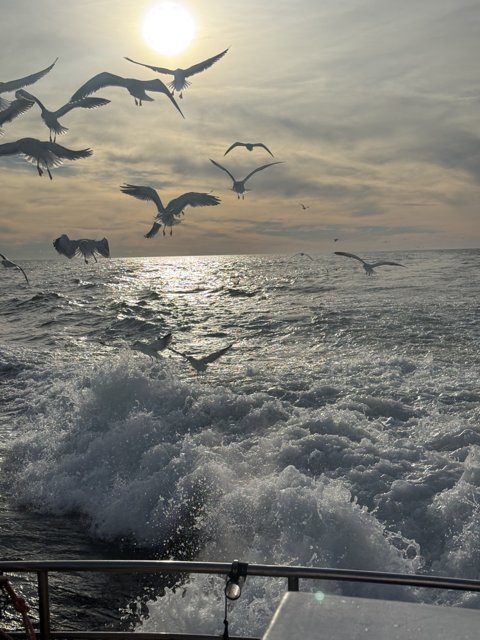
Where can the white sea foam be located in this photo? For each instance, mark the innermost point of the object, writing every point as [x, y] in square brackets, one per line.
[316, 441]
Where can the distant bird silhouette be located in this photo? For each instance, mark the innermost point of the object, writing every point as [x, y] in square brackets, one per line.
[301, 253]
[249, 146]
[369, 267]
[239, 185]
[87, 248]
[169, 215]
[335, 239]
[14, 109]
[304, 207]
[44, 154]
[151, 349]
[200, 364]
[8, 264]
[13, 85]
[135, 88]
[180, 82]
[50, 118]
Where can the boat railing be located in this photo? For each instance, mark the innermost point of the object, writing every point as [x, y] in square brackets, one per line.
[292, 575]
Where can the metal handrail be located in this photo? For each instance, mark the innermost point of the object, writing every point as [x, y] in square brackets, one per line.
[292, 573]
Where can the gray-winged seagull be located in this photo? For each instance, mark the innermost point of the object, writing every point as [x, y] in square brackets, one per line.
[180, 82]
[169, 215]
[369, 267]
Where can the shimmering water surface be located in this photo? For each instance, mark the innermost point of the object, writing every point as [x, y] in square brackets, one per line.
[342, 429]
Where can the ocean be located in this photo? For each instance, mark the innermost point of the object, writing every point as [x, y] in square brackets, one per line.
[341, 429]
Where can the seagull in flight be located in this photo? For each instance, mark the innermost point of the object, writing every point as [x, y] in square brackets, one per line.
[152, 349]
[249, 146]
[9, 264]
[180, 82]
[87, 248]
[169, 215]
[14, 109]
[369, 267]
[239, 185]
[200, 364]
[50, 118]
[13, 85]
[301, 253]
[44, 154]
[304, 206]
[135, 88]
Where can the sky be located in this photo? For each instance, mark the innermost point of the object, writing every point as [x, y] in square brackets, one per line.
[372, 106]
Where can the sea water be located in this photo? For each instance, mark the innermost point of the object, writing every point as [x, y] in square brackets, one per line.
[340, 430]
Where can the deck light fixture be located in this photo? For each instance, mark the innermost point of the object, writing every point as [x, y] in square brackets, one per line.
[236, 579]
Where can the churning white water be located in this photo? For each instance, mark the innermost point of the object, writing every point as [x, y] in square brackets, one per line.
[342, 429]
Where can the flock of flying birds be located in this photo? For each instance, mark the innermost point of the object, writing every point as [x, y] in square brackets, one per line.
[48, 154]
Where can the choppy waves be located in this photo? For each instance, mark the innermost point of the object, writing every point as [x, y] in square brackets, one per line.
[308, 444]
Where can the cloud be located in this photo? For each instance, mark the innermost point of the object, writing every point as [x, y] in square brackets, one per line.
[364, 102]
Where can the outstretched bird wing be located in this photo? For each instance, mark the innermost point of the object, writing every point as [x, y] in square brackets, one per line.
[215, 355]
[192, 199]
[349, 255]
[15, 108]
[25, 275]
[260, 144]
[232, 146]
[162, 343]
[143, 193]
[102, 247]
[65, 246]
[157, 85]
[13, 85]
[158, 69]
[152, 348]
[201, 66]
[103, 79]
[84, 103]
[392, 264]
[223, 169]
[260, 169]
[9, 148]
[154, 230]
[8, 263]
[68, 154]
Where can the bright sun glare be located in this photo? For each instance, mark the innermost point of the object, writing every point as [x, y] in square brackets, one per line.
[168, 28]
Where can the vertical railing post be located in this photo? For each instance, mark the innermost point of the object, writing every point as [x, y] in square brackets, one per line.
[292, 583]
[43, 605]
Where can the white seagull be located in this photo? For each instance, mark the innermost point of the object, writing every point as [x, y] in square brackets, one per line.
[249, 146]
[135, 88]
[180, 82]
[9, 264]
[13, 85]
[50, 118]
[14, 109]
[151, 349]
[169, 215]
[87, 248]
[239, 185]
[369, 267]
[200, 364]
[45, 154]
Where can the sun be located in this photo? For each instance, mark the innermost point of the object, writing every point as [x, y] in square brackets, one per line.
[168, 28]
